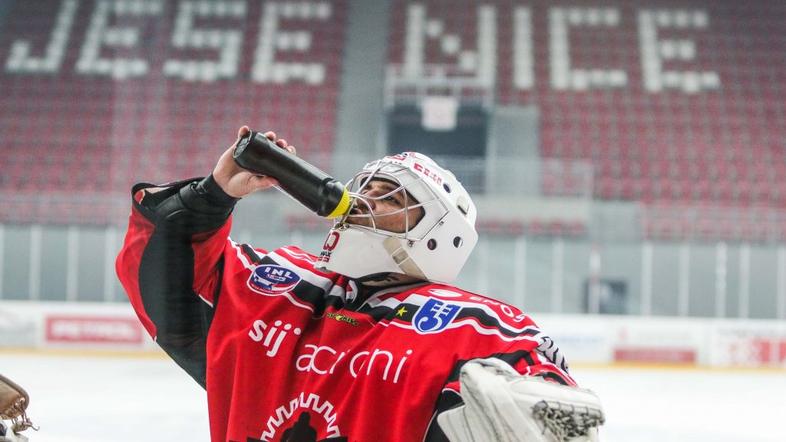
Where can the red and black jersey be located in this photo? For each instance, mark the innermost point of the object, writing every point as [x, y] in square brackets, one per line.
[288, 352]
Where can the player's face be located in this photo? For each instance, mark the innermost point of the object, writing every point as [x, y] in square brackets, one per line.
[392, 209]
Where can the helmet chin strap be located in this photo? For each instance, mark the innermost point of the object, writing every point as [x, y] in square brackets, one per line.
[402, 259]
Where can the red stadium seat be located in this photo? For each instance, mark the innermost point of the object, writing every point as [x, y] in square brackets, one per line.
[718, 146]
[81, 133]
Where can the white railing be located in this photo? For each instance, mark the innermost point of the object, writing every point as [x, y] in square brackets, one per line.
[554, 275]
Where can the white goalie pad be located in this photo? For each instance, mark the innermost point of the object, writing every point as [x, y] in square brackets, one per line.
[500, 405]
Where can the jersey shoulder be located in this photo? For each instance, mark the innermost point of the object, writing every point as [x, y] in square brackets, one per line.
[472, 300]
[286, 258]
[484, 314]
[292, 257]
[296, 254]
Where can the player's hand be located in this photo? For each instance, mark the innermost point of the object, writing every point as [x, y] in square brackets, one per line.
[238, 182]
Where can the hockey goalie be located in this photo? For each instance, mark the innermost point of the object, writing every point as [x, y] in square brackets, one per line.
[368, 341]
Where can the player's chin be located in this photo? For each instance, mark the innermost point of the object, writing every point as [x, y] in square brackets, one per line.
[379, 227]
[359, 221]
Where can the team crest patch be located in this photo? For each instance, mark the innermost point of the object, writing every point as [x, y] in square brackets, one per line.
[434, 316]
[272, 280]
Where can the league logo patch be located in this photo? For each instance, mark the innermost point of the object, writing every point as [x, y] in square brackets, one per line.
[434, 316]
[272, 280]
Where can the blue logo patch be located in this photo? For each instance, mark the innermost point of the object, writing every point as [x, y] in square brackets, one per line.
[272, 280]
[434, 316]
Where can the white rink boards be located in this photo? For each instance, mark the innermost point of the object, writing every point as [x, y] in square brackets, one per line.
[119, 399]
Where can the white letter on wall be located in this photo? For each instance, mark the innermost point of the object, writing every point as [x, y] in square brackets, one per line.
[523, 58]
[19, 60]
[480, 63]
[227, 42]
[266, 69]
[654, 51]
[562, 76]
[99, 34]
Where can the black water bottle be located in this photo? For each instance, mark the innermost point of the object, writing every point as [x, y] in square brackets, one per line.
[310, 186]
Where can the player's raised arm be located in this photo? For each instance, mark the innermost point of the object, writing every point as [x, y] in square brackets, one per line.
[171, 261]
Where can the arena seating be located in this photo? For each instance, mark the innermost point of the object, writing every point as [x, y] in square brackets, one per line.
[675, 221]
[679, 107]
[76, 123]
[696, 123]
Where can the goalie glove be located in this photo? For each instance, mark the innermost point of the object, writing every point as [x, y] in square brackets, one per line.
[501, 405]
[13, 406]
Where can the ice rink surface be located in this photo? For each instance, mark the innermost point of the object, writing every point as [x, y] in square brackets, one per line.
[113, 399]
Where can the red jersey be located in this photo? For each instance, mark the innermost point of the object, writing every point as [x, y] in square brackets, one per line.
[288, 352]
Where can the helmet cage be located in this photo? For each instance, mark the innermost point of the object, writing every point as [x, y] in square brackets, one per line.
[434, 208]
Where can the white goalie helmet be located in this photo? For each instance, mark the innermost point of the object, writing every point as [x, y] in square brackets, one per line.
[433, 249]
